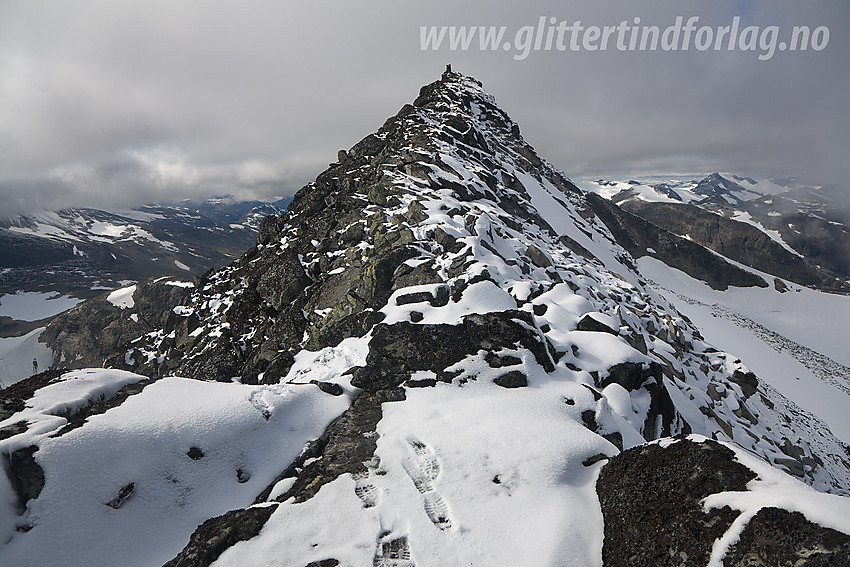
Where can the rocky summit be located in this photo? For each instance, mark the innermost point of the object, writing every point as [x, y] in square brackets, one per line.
[443, 353]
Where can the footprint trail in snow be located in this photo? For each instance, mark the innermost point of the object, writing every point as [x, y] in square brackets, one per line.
[423, 468]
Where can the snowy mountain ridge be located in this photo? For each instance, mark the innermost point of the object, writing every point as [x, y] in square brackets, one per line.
[431, 359]
[729, 187]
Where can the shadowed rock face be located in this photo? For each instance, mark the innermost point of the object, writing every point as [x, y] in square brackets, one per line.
[736, 240]
[25, 474]
[742, 224]
[636, 235]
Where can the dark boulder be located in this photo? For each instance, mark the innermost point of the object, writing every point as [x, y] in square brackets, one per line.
[328, 387]
[537, 257]
[632, 375]
[590, 323]
[499, 361]
[651, 503]
[778, 537]
[398, 350]
[25, 475]
[125, 493]
[747, 381]
[513, 379]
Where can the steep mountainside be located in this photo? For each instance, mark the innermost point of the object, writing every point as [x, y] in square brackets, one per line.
[779, 226]
[427, 360]
[736, 240]
[813, 221]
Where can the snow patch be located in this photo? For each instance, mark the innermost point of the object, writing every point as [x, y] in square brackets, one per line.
[176, 283]
[17, 355]
[144, 442]
[35, 305]
[122, 298]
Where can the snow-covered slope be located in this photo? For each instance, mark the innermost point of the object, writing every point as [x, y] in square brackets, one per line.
[427, 361]
[795, 339]
[131, 474]
[17, 355]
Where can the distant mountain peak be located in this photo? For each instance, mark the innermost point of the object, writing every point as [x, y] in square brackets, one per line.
[717, 184]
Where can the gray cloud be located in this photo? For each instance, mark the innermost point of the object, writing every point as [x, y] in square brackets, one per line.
[118, 103]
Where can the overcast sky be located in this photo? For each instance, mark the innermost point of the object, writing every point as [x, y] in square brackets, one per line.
[108, 103]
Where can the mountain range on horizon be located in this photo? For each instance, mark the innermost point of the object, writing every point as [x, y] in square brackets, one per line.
[77, 253]
[444, 352]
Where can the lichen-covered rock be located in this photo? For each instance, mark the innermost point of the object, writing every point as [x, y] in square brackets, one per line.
[651, 498]
[778, 537]
[651, 503]
[215, 535]
[282, 281]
